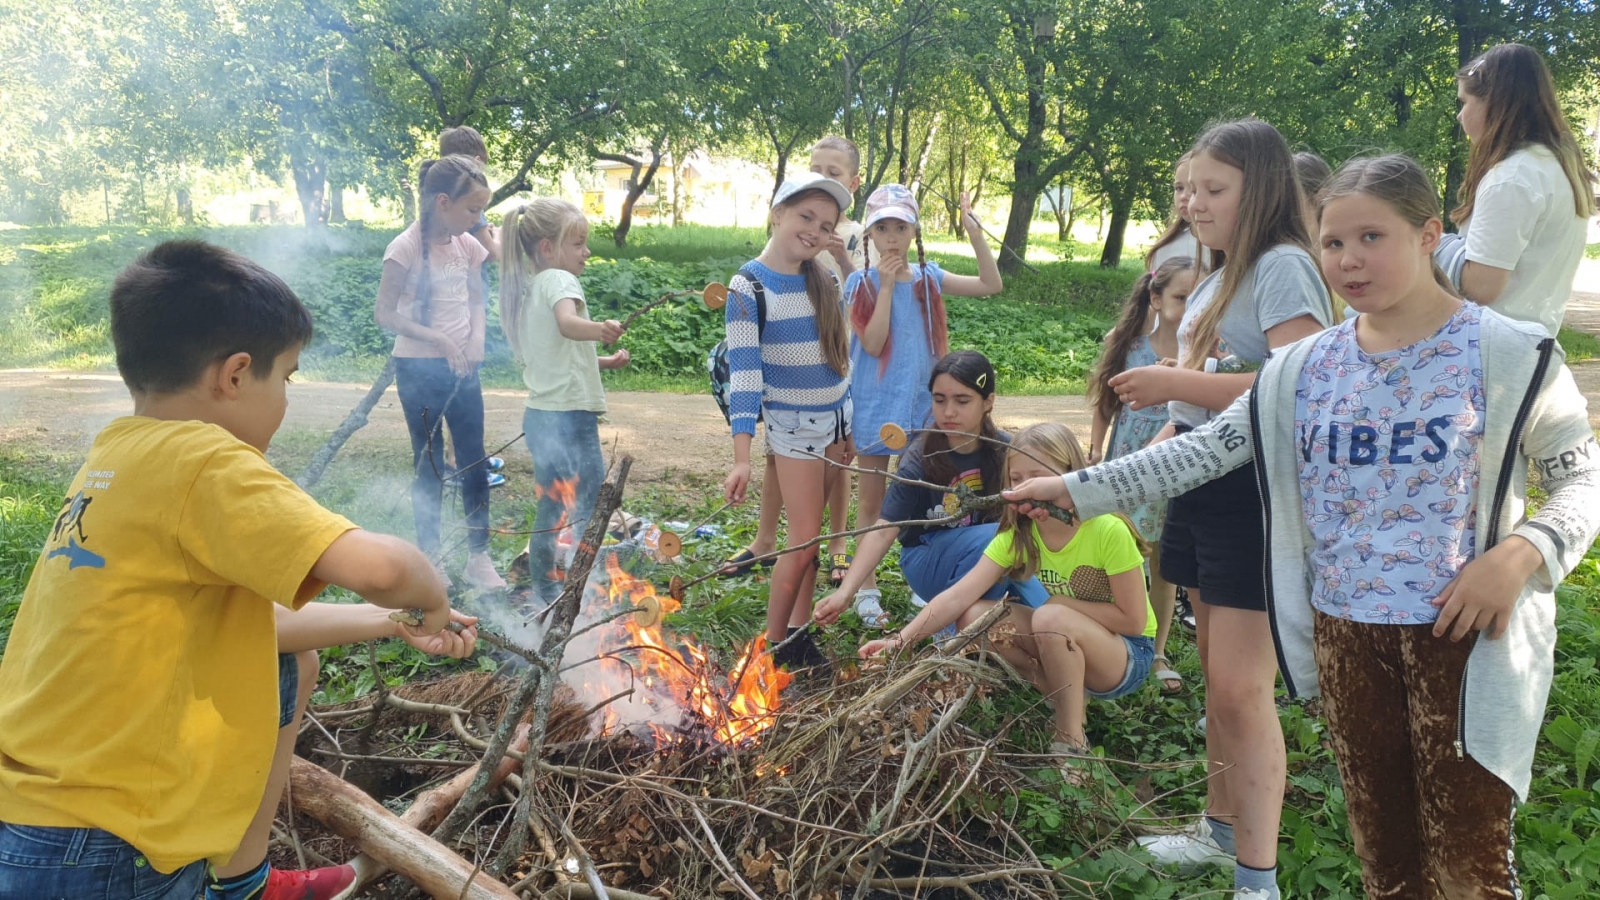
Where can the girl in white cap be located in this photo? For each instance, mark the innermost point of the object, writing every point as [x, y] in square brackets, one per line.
[789, 365]
[897, 319]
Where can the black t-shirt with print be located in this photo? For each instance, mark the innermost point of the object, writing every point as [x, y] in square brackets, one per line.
[905, 502]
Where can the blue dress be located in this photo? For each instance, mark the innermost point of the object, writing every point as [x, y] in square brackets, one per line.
[1133, 431]
[900, 394]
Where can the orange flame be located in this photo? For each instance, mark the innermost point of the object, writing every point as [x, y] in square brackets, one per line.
[673, 674]
[563, 491]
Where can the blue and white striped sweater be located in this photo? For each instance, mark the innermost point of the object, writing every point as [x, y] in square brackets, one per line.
[781, 365]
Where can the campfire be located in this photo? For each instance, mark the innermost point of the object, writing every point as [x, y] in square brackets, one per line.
[648, 770]
[667, 682]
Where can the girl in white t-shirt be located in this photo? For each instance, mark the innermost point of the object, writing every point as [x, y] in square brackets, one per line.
[433, 298]
[1178, 240]
[1527, 195]
[544, 247]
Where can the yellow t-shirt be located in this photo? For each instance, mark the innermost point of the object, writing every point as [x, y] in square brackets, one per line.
[1104, 546]
[139, 689]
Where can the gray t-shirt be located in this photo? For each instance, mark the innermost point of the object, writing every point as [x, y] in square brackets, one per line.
[1283, 285]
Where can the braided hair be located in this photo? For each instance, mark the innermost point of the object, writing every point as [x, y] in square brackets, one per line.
[864, 300]
[454, 177]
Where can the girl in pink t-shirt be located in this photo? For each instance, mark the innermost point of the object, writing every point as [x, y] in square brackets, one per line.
[432, 297]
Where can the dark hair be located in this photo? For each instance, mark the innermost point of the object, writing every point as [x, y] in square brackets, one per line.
[455, 177]
[1395, 179]
[1312, 171]
[1133, 324]
[1520, 107]
[972, 369]
[185, 305]
[463, 140]
[1271, 212]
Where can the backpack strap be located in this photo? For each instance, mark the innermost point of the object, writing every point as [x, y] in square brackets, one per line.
[761, 300]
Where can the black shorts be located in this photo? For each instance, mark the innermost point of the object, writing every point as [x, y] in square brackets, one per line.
[1214, 542]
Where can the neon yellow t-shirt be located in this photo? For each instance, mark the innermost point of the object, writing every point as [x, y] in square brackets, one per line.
[139, 689]
[1104, 546]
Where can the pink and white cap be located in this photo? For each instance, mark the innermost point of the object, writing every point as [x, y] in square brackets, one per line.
[891, 201]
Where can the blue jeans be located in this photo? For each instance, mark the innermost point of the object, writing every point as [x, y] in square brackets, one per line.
[85, 864]
[946, 555]
[431, 396]
[564, 446]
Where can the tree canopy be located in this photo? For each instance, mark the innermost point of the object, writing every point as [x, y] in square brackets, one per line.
[1010, 97]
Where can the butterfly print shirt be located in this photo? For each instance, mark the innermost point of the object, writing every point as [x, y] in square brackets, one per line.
[1389, 447]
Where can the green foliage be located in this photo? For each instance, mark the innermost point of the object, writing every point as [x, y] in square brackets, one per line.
[1592, 251]
[1579, 346]
[29, 501]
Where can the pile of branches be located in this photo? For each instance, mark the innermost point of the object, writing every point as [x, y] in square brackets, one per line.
[863, 787]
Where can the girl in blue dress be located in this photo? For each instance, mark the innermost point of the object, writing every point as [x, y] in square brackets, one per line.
[898, 326]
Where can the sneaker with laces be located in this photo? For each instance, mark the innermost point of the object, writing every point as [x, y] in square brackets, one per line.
[1188, 850]
[331, 883]
[869, 606]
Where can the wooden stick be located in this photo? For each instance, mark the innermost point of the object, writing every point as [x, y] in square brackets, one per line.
[431, 808]
[351, 424]
[653, 304]
[348, 812]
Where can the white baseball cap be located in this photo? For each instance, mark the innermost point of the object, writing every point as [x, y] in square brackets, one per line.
[809, 181]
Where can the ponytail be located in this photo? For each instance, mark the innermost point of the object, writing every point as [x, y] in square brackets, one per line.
[1132, 324]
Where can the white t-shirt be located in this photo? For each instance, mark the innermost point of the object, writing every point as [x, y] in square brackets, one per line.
[562, 375]
[1523, 220]
[1186, 244]
[855, 241]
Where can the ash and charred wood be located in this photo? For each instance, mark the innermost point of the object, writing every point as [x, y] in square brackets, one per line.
[348, 812]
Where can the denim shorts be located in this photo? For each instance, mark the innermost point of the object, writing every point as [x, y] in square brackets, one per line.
[1141, 654]
[85, 864]
[288, 688]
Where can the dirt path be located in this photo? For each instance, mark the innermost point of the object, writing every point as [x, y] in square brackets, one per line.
[674, 438]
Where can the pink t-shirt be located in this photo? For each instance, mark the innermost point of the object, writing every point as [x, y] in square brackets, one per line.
[452, 267]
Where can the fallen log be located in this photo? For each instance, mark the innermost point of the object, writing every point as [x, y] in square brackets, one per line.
[431, 808]
[348, 812]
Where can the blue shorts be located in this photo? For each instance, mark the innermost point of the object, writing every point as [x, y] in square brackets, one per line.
[71, 863]
[288, 688]
[946, 555]
[1141, 655]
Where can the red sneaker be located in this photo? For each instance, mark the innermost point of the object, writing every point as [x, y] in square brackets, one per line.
[331, 883]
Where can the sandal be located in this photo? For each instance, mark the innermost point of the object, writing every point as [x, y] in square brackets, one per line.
[1070, 773]
[740, 564]
[1171, 681]
[840, 566]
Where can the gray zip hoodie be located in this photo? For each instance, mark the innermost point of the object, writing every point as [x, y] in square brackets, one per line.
[1533, 411]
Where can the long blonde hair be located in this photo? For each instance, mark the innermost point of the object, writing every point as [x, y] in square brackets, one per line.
[1177, 225]
[1054, 445]
[1271, 212]
[823, 290]
[541, 219]
[1519, 107]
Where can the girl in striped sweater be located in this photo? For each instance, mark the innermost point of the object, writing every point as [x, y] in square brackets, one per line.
[789, 365]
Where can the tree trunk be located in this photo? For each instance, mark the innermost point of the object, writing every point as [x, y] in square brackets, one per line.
[336, 203]
[781, 171]
[310, 185]
[408, 201]
[639, 184]
[1111, 254]
[1063, 219]
[185, 206]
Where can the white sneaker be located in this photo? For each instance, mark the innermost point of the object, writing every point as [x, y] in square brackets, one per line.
[1189, 851]
[1252, 894]
[917, 600]
[869, 606]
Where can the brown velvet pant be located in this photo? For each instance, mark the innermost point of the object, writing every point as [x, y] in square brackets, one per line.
[1427, 824]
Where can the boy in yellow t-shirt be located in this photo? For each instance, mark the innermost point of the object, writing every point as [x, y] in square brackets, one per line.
[164, 650]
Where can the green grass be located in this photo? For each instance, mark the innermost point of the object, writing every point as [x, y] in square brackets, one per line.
[1578, 345]
[1592, 251]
